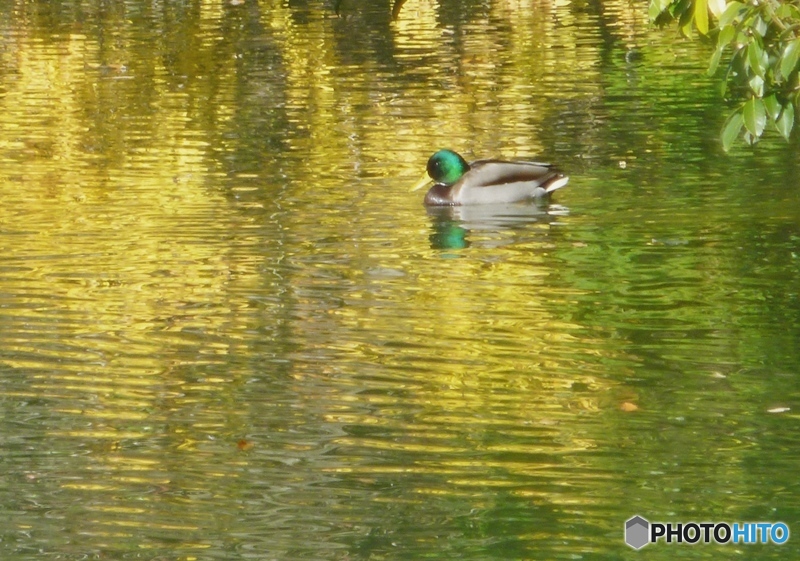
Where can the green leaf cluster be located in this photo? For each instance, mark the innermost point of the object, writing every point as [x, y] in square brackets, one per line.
[759, 44]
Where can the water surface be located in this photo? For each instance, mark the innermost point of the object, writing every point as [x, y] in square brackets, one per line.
[227, 331]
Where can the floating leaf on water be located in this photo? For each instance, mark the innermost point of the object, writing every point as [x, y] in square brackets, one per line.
[669, 241]
[398, 4]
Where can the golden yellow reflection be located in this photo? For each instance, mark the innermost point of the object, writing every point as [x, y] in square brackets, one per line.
[151, 292]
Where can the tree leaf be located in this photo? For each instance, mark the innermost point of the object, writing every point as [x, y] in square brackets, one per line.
[654, 10]
[754, 58]
[714, 62]
[659, 11]
[726, 35]
[716, 7]
[786, 121]
[755, 116]
[765, 59]
[789, 59]
[783, 11]
[732, 128]
[734, 10]
[701, 16]
[773, 107]
[756, 84]
[722, 87]
[684, 11]
[759, 26]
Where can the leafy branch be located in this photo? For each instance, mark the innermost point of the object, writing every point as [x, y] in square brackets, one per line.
[761, 45]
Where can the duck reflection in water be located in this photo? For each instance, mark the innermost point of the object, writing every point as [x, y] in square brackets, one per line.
[452, 225]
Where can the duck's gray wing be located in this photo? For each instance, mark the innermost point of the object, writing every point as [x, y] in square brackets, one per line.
[495, 181]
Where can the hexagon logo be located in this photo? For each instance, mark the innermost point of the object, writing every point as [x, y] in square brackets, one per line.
[637, 532]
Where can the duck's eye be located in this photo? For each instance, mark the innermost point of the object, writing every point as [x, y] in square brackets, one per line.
[435, 169]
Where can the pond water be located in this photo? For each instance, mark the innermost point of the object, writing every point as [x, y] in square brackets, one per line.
[227, 330]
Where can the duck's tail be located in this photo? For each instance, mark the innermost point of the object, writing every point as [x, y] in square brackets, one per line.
[556, 182]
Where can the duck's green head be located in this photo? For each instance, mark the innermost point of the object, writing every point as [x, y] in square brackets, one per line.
[447, 167]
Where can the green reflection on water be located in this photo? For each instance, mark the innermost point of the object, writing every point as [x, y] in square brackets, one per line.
[207, 240]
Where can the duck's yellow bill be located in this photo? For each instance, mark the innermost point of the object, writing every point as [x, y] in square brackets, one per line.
[423, 181]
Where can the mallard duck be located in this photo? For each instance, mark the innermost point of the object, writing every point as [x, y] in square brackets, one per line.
[486, 181]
